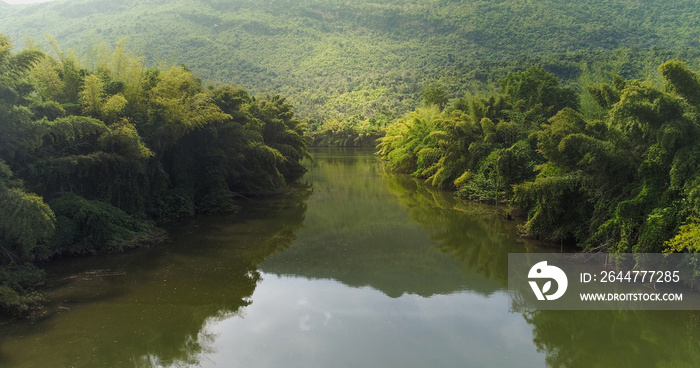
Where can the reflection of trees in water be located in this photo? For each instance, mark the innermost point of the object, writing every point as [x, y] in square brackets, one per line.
[190, 352]
[476, 235]
[613, 338]
[223, 289]
[367, 228]
[573, 339]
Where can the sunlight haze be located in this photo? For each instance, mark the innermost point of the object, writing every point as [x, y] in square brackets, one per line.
[25, 1]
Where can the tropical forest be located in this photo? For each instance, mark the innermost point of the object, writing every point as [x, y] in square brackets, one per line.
[314, 183]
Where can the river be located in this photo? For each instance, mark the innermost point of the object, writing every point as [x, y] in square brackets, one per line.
[355, 267]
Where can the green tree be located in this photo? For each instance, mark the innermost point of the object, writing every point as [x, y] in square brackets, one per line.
[435, 95]
[537, 94]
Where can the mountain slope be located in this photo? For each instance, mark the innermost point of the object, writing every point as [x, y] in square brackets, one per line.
[368, 56]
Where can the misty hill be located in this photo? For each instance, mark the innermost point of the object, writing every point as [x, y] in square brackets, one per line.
[365, 57]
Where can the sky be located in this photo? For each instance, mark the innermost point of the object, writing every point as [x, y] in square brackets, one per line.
[25, 1]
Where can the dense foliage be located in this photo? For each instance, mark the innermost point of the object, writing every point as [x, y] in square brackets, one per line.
[629, 181]
[93, 160]
[352, 133]
[96, 149]
[356, 59]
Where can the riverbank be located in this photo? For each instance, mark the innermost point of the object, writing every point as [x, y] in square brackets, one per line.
[398, 273]
[620, 178]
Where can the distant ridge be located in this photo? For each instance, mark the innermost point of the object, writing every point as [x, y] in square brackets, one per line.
[365, 57]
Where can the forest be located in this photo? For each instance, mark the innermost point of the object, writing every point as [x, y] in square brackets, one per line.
[99, 160]
[622, 177]
[370, 59]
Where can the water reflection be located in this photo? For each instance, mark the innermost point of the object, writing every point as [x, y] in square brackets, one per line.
[481, 240]
[367, 227]
[122, 310]
[297, 322]
[476, 235]
[573, 339]
[367, 235]
[372, 269]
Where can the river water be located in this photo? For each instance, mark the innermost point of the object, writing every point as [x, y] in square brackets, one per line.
[356, 267]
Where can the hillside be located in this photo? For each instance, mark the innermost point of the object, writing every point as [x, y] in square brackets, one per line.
[367, 57]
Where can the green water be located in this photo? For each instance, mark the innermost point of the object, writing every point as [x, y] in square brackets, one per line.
[356, 267]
